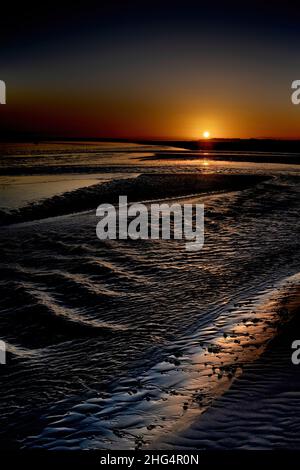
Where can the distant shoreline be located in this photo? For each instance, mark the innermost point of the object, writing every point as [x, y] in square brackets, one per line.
[251, 144]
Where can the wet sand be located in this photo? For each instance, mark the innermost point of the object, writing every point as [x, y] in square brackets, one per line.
[261, 410]
[138, 338]
[212, 155]
[144, 187]
[161, 409]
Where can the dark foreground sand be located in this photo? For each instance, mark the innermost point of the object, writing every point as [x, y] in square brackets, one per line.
[261, 410]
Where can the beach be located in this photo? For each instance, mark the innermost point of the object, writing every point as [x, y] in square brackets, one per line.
[260, 411]
[140, 344]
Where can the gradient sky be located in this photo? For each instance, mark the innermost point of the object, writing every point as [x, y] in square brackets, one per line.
[152, 69]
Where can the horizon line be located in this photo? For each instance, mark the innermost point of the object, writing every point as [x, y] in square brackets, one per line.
[39, 137]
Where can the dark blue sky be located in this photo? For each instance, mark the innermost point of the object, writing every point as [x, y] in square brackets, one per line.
[151, 69]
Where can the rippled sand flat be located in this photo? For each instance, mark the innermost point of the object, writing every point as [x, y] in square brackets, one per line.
[125, 344]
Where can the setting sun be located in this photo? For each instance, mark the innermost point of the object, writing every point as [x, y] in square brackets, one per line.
[206, 134]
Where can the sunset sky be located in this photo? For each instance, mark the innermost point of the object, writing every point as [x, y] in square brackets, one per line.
[152, 69]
